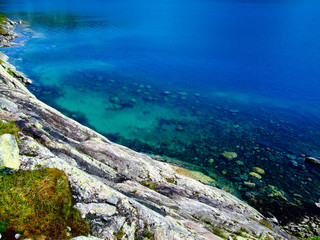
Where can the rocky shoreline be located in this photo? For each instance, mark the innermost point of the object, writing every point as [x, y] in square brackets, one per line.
[123, 194]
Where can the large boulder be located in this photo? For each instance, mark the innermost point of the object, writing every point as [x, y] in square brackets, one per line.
[9, 153]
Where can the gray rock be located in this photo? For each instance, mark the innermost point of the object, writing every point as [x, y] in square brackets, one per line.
[7, 105]
[3, 57]
[29, 147]
[9, 153]
[85, 238]
[99, 209]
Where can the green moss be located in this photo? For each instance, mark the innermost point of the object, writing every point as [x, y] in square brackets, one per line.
[266, 224]
[146, 234]
[204, 219]
[10, 72]
[119, 235]
[313, 238]
[149, 184]
[171, 180]
[37, 204]
[242, 232]
[9, 127]
[3, 32]
[267, 238]
[214, 229]
[218, 232]
[3, 19]
[134, 191]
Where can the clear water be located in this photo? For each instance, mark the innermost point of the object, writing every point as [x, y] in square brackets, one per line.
[188, 79]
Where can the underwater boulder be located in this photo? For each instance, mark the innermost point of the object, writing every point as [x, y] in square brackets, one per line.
[312, 161]
[229, 155]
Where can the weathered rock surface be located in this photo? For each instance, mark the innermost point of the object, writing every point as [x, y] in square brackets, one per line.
[122, 193]
[5, 39]
[86, 238]
[9, 153]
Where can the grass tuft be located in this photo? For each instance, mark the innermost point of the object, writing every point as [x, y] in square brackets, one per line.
[37, 204]
[9, 127]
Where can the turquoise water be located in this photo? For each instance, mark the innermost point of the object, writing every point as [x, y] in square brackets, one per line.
[188, 80]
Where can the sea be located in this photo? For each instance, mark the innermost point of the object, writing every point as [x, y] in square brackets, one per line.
[229, 88]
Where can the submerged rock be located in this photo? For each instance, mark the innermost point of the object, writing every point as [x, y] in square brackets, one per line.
[9, 153]
[312, 161]
[250, 184]
[256, 175]
[258, 170]
[229, 155]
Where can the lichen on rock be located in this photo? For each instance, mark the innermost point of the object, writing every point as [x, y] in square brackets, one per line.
[9, 153]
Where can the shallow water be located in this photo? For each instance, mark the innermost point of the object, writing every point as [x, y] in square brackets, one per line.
[189, 80]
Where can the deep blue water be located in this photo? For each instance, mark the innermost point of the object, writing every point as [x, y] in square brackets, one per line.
[187, 79]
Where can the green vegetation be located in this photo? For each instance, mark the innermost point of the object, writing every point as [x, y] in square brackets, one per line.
[2, 22]
[145, 235]
[313, 238]
[10, 72]
[204, 219]
[242, 232]
[119, 235]
[218, 232]
[2, 19]
[267, 238]
[171, 180]
[134, 191]
[9, 127]
[149, 184]
[37, 204]
[3, 32]
[266, 224]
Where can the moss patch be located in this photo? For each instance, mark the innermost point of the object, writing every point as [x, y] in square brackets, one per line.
[9, 127]
[218, 232]
[119, 235]
[149, 184]
[37, 204]
[10, 72]
[145, 234]
[266, 224]
[3, 32]
[3, 19]
[171, 180]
